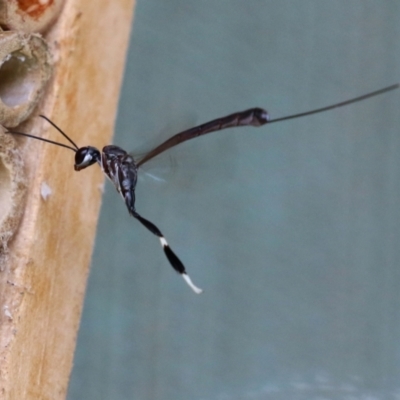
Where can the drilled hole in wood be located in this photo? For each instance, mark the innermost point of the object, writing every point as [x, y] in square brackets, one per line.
[17, 79]
[25, 69]
[29, 15]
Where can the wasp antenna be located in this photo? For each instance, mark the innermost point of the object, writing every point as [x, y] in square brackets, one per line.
[337, 105]
[59, 130]
[42, 139]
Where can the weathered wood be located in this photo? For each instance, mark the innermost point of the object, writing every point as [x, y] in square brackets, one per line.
[43, 281]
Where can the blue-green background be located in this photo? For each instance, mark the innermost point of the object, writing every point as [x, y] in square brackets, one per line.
[292, 229]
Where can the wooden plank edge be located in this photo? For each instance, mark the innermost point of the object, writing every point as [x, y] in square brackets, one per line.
[45, 278]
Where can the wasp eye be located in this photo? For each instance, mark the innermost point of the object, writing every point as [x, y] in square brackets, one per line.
[86, 156]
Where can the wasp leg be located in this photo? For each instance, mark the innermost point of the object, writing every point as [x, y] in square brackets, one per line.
[173, 259]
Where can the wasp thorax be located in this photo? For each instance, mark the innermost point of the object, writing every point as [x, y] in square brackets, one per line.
[86, 156]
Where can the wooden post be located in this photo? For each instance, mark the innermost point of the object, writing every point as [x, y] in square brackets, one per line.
[43, 281]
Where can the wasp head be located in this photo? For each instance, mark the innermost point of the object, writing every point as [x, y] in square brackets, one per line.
[86, 156]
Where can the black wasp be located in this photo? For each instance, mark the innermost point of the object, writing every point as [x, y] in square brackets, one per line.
[122, 169]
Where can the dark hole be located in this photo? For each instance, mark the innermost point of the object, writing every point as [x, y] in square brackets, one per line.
[17, 79]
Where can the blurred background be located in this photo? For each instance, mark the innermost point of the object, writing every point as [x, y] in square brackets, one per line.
[292, 229]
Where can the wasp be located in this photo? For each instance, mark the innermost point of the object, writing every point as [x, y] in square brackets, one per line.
[122, 169]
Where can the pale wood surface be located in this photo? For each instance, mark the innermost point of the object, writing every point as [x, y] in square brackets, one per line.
[42, 286]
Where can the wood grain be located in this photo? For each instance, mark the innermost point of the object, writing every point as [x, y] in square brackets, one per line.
[43, 282]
